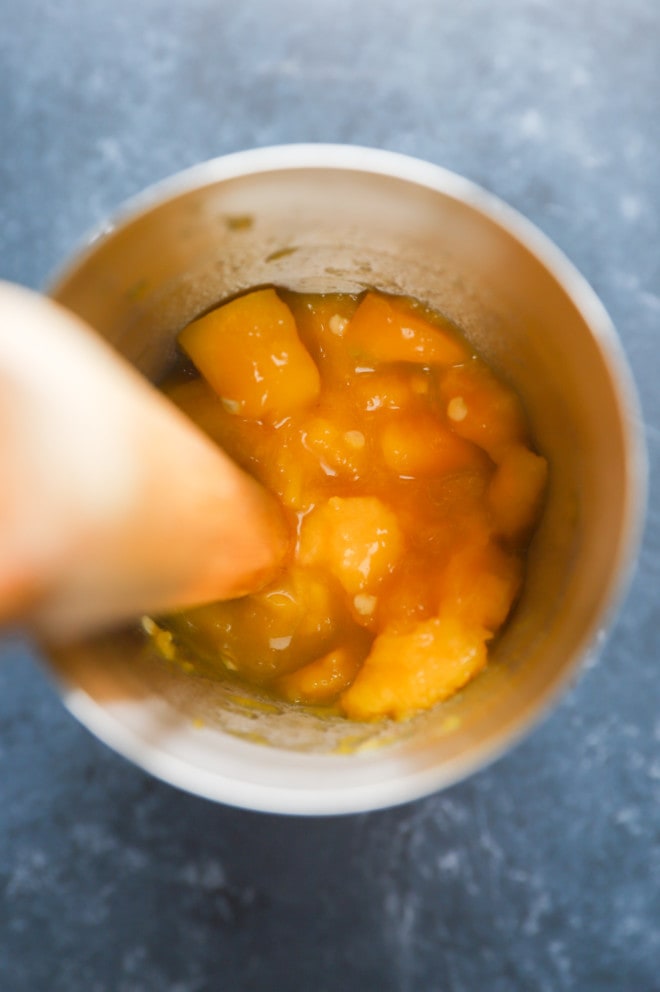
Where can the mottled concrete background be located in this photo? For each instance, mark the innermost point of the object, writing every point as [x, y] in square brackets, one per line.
[541, 873]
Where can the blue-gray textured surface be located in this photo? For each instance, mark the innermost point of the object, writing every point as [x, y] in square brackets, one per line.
[541, 873]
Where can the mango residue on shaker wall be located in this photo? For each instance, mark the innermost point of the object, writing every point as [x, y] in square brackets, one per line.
[405, 467]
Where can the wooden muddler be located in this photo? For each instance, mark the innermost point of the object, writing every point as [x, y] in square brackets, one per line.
[112, 503]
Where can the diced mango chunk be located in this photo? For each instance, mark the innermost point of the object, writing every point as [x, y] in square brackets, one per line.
[410, 595]
[321, 681]
[420, 445]
[322, 321]
[391, 388]
[516, 491]
[358, 538]
[480, 584]
[481, 409]
[384, 331]
[458, 494]
[292, 476]
[288, 469]
[293, 620]
[407, 672]
[250, 353]
[337, 444]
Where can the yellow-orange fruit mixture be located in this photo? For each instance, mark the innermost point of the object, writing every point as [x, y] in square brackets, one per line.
[405, 468]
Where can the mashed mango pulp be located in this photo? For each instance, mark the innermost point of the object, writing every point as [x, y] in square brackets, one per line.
[405, 467]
